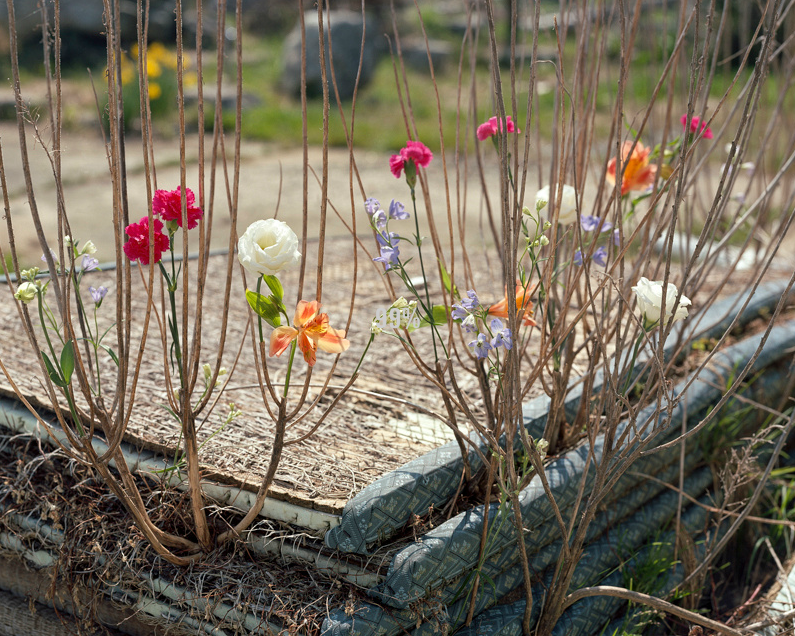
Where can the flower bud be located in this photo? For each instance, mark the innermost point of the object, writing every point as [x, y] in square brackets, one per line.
[26, 292]
[29, 274]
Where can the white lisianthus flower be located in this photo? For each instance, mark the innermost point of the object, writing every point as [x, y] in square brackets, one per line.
[649, 294]
[26, 292]
[568, 203]
[267, 247]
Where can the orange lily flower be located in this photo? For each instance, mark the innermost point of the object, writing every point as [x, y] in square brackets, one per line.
[313, 333]
[638, 174]
[523, 302]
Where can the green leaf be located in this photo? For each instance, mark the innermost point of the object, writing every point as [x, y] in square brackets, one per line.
[68, 360]
[448, 284]
[439, 316]
[264, 308]
[112, 354]
[275, 286]
[52, 371]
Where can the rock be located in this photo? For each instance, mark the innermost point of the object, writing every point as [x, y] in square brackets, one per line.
[346, 38]
[415, 54]
[83, 27]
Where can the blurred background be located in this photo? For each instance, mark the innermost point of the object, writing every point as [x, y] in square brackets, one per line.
[272, 120]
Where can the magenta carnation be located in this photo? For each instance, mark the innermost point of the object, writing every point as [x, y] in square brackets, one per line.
[168, 205]
[415, 151]
[696, 125]
[493, 126]
[137, 247]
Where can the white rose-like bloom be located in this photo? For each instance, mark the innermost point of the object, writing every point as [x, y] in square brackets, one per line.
[649, 295]
[568, 203]
[267, 247]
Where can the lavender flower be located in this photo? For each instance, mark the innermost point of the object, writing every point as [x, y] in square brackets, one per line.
[379, 220]
[98, 293]
[481, 346]
[89, 263]
[389, 240]
[578, 258]
[390, 256]
[371, 206]
[466, 306]
[54, 257]
[471, 302]
[616, 237]
[502, 335]
[397, 211]
[590, 223]
[600, 256]
[460, 312]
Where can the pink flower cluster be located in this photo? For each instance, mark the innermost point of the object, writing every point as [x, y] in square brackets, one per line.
[166, 204]
[696, 126]
[494, 126]
[415, 151]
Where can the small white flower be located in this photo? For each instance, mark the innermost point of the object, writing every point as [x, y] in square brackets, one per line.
[469, 324]
[89, 248]
[649, 295]
[267, 247]
[543, 240]
[568, 202]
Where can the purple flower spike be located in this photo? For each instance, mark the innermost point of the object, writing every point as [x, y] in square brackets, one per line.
[371, 206]
[600, 256]
[397, 211]
[98, 293]
[89, 263]
[471, 302]
[481, 346]
[469, 324]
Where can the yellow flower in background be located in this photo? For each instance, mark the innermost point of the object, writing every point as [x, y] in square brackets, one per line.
[153, 68]
[160, 54]
[154, 90]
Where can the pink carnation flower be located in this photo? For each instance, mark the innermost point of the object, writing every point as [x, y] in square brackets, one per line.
[415, 151]
[168, 205]
[696, 125]
[493, 126]
[137, 247]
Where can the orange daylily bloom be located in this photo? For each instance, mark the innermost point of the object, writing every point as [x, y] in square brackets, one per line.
[523, 302]
[638, 174]
[313, 333]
